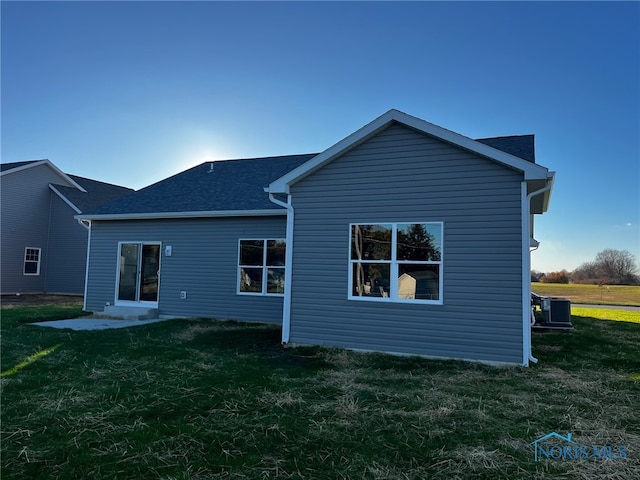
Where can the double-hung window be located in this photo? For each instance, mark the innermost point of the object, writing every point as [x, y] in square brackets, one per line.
[399, 262]
[32, 261]
[261, 267]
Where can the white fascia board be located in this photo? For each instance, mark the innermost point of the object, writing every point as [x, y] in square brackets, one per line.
[65, 176]
[281, 185]
[168, 215]
[48, 163]
[64, 199]
[530, 170]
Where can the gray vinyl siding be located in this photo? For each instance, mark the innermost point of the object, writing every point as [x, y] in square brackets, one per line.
[66, 251]
[25, 223]
[400, 175]
[204, 263]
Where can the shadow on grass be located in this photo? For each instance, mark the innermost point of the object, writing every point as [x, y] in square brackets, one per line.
[263, 342]
[40, 313]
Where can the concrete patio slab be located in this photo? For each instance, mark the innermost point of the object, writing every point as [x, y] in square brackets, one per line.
[88, 323]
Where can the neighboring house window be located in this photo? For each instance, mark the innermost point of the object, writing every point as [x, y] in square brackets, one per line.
[396, 262]
[32, 261]
[261, 267]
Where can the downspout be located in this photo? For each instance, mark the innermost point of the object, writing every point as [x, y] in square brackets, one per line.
[526, 271]
[286, 308]
[86, 272]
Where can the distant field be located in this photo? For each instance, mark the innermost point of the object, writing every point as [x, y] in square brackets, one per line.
[591, 294]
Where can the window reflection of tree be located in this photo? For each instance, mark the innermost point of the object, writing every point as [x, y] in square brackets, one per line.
[371, 242]
[416, 243]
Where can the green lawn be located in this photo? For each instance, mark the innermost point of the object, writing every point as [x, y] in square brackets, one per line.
[590, 294]
[200, 399]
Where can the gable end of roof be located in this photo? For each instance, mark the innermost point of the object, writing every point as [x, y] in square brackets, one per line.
[530, 169]
[14, 167]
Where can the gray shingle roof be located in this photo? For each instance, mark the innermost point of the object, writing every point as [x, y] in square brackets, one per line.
[98, 193]
[236, 185]
[519, 145]
[10, 166]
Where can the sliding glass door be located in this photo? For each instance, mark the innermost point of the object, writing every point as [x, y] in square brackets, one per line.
[138, 272]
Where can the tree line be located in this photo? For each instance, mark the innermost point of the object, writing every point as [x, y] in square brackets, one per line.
[611, 267]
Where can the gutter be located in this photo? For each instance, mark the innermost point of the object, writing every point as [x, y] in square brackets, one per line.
[167, 215]
[286, 307]
[527, 355]
[84, 223]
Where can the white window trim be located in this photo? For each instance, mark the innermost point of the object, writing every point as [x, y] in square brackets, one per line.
[393, 264]
[264, 268]
[38, 262]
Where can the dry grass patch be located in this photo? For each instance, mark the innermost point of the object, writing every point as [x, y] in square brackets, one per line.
[576, 382]
[281, 399]
[549, 348]
[194, 330]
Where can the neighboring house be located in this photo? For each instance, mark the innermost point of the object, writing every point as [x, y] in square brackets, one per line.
[404, 237]
[44, 248]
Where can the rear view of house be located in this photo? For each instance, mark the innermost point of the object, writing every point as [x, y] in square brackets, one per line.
[404, 237]
[44, 247]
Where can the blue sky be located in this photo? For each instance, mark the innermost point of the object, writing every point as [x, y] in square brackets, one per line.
[131, 93]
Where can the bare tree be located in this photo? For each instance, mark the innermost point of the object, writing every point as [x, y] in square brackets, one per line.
[586, 273]
[617, 265]
[610, 266]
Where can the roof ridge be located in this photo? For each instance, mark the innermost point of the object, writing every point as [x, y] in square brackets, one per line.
[506, 136]
[272, 157]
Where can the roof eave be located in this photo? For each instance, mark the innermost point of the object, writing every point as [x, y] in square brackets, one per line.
[540, 203]
[281, 185]
[547, 195]
[194, 214]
